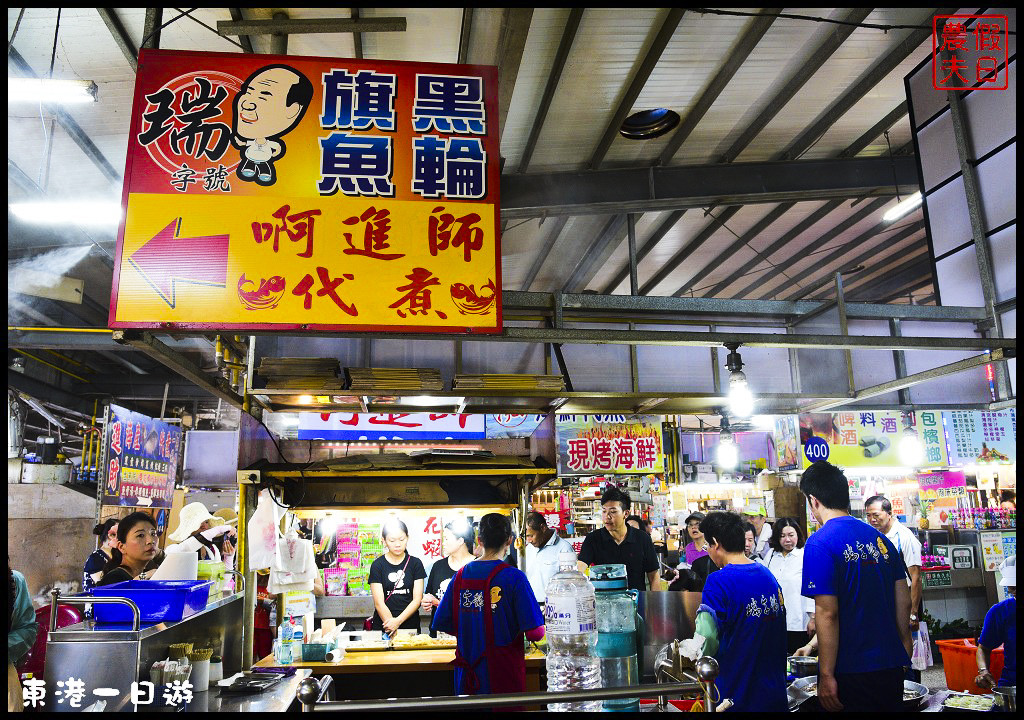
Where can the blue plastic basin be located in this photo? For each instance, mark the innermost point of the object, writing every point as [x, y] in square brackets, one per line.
[158, 600]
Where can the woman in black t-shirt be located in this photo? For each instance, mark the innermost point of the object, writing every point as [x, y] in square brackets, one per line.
[136, 552]
[457, 546]
[396, 582]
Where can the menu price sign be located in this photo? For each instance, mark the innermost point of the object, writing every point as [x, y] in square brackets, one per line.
[992, 549]
[310, 194]
[942, 485]
[141, 460]
[981, 437]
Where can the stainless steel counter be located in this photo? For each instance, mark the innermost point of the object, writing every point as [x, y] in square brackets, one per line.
[116, 656]
[275, 700]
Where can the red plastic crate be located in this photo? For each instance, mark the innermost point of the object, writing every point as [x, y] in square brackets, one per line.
[958, 660]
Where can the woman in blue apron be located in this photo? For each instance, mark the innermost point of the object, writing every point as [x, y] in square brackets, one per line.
[489, 606]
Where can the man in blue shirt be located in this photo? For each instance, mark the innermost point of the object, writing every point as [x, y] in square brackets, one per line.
[1000, 629]
[861, 601]
[743, 617]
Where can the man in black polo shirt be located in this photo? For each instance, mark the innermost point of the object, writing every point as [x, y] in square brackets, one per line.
[619, 544]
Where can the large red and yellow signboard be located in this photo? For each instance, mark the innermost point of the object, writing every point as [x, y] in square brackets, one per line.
[297, 193]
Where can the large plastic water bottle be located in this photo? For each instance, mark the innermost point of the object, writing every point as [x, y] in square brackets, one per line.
[570, 618]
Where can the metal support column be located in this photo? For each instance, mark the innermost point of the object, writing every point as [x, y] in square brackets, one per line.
[716, 374]
[844, 330]
[899, 361]
[151, 27]
[634, 289]
[982, 250]
[794, 364]
[246, 506]
[279, 39]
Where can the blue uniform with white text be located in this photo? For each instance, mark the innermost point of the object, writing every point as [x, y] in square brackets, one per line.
[748, 606]
[1001, 629]
[851, 560]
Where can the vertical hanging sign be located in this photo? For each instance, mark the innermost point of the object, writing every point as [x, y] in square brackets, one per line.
[300, 193]
[141, 460]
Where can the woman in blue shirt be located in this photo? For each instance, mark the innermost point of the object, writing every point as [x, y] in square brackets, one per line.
[743, 616]
[489, 606]
[1000, 629]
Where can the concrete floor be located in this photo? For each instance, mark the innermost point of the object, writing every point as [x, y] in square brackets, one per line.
[934, 678]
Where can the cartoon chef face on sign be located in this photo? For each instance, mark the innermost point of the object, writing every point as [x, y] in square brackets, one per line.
[271, 103]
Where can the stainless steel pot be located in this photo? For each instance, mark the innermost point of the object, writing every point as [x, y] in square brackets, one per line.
[665, 619]
[803, 666]
[1006, 697]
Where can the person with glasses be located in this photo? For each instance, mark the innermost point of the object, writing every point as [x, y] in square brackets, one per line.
[698, 546]
[619, 544]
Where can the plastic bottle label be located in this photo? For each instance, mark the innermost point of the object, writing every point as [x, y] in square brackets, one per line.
[570, 616]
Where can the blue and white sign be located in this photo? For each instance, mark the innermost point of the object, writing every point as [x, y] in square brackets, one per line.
[816, 448]
[390, 426]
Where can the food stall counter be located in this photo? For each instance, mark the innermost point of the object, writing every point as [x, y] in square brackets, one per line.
[278, 698]
[400, 673]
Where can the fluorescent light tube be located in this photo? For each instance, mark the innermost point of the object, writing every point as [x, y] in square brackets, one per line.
[902, 208]
[43, 90]
[92, 213]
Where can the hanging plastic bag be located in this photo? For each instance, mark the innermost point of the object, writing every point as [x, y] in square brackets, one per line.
[922, 659]
[294, 567]
[263, 534]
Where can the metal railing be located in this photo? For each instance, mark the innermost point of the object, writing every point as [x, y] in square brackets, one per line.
[310, 691]
[56, 599]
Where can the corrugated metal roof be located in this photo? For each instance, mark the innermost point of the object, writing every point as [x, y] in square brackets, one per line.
[608, 50]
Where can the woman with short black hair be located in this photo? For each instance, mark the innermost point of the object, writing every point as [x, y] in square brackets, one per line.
[489, 607]
[396, 582]
[457, 548]
[136, 553]
[785, 559]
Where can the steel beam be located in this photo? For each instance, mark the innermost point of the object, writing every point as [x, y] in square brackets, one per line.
[911, 380]
[634, 285]
[843, 249]
[602, 336]
[875, 130]
[357, 38]
[173, 360]
[120, 35]
[515, 26]
[975, 211]
[894, 278]
[821, 54]
[854, 262]
[667, 224]
[899, 361]
[44, 391]
[72, 128]
[624, 304]
[689, 248]
[825, 237]
[151, 28]
[595, 255]
[545, 250]
[636, 86]
[311, 26]
[759, 227]
[465, 35]
[804, 225]
[858, 90]
[572, 25]
[734, 60]
[279, 38]
[608, 192]
[244, 40]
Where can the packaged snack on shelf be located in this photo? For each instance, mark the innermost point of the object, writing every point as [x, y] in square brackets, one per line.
[336, 581]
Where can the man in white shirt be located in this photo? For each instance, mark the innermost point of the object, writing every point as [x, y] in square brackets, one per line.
[542, 551]
[757, 517]
[878, 511]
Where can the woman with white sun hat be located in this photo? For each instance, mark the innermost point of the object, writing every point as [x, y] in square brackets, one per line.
[196, 531]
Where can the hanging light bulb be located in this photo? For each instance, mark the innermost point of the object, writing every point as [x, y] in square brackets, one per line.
[911, 451]
[741, 400]
[728, 454]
